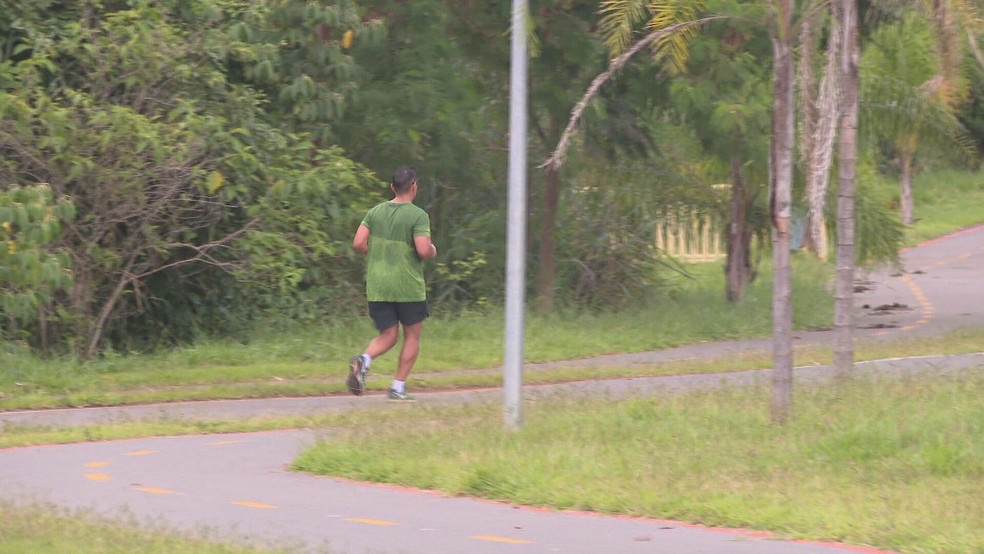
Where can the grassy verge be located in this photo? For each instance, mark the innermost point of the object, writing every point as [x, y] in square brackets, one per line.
[39, 529]
[456, 348]
[962, 341]
[944, 201]
[887, 463]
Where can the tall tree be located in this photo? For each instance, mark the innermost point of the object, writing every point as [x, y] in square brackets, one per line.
[567, 52]
[819, 117]
[782, 34]
[846, 161]
[132, 114]
[301, 58]
[909, 97]
[724, 96]
[671, 26]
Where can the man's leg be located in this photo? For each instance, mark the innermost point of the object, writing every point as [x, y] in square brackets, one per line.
[408, 353]
[359, 365]
[385, 340]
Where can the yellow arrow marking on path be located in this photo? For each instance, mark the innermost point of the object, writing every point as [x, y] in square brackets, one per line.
[370, 521]
[506, 540]
[97, 464]
[97, 477]
[155, 490]
[141, 452]
[258, 505]
[223, 443]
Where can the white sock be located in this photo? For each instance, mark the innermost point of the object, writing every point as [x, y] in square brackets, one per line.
[367, 359]
[399, 386]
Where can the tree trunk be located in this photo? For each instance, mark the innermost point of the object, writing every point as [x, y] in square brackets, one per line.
[547, 255]
[98, 327]
[781, 176]
[819, 141]
[847, 159]
[739, 238]
[905, 160]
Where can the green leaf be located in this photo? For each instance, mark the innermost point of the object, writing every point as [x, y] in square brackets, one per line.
[214, 182]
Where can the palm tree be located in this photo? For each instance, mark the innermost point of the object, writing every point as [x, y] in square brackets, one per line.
[820, 105]
[671, 24]
[734, 113]
[910, 91]
[847, 14]
[780, 205]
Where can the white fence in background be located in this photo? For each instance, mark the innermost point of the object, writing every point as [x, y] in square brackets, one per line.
[695, 239]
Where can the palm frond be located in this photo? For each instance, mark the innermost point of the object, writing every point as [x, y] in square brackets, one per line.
[618, 22]
[620, 17]
[556, 159]
[673, 49]
[893, 109]
[533, 43]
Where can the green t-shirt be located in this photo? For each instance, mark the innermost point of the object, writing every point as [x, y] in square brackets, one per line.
[394, 271]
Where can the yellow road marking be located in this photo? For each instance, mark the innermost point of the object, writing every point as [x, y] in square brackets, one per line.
[928, 310]
[97, 464]
[155, 490]
[223, 443]
[97, 477]
[141, 452]
[258, 505]
[370, 521]
[506, 540]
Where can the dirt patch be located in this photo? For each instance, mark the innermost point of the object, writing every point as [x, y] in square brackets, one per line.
[886, 309]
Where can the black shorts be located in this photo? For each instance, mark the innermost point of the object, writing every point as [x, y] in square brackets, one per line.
[388, 314]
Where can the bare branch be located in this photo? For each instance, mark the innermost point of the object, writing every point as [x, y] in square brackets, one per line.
[975, 49]
[557, 158]
[202, 250]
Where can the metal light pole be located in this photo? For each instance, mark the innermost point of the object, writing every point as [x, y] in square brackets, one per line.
[516, 222]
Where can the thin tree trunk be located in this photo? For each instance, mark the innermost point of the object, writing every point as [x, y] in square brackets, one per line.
[96, 332]
[809, 114]
[739, 238]
[43, 328]
[820, 145]
[847, 159]
[906, 184]
[547, 272]
[781, 170]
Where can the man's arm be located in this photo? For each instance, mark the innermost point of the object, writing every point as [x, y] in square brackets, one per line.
[361, 240]
[425, 248]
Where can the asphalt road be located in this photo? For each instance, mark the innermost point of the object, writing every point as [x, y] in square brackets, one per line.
[239, 485]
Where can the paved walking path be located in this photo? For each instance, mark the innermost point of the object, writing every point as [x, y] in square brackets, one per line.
[239, 484]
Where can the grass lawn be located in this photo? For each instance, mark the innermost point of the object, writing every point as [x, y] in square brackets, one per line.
[41, 529]
[893, 464]
[944, 201]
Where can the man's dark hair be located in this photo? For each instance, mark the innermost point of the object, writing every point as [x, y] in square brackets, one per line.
[402, 179]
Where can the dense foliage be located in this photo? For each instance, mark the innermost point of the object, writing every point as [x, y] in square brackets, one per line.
[171, 168]
[193, 201]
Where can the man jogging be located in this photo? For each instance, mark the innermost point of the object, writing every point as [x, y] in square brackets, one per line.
[395, 236]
